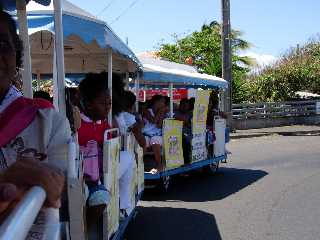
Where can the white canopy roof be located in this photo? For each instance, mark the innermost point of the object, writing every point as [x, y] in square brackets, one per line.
[162, 71]
[86, 39]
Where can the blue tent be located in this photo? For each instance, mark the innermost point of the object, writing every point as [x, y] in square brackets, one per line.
[160, 72]
[77, 21]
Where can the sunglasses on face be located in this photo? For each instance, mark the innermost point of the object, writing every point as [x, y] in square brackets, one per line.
[6, 47]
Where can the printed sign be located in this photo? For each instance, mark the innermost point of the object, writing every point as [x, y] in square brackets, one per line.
[199, 121]
[172, 136]
[140, 171]
[46, 224]
[178, 94]
[317, 107]
[111, 151]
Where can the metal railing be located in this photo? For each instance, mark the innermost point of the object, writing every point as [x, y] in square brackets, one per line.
[28, 220]
[274, 110]
[21, 225]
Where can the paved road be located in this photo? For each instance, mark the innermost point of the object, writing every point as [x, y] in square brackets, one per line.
[270, 189]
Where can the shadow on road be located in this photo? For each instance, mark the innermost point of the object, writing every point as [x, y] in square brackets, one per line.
[200, 187]
[300, 133]
[159, 223]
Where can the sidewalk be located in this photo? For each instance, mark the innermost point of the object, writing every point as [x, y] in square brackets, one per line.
[295, 130]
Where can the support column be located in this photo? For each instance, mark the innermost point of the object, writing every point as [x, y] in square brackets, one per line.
[26, 71]
[110, 82]
[59, 84]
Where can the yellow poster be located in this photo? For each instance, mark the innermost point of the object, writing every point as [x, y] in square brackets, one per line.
[111, 154]
[199, 121]
[140, 171]
[172, 137]
[200, 111]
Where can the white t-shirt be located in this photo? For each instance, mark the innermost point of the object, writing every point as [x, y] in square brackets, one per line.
[125, 120]
[150, 129]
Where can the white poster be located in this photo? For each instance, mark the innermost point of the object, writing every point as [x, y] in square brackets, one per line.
[199, 150]
[317, 107]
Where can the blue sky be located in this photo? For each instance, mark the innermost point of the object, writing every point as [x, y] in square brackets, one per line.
[271, 26]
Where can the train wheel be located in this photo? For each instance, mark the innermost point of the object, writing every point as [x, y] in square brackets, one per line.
[212, 168]
[164, 184]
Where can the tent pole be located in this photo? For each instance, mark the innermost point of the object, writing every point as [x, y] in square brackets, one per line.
[26, 71]
[171, 99]
[110, 83]
[59, 59]
[127, 81]
[137, 90]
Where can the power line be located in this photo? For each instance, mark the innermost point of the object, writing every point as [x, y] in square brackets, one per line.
[124, 12]
[106, 7]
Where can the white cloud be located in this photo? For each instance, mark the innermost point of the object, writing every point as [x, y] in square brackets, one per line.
[261, 59]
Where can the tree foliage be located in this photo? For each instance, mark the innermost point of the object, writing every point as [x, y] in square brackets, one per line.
[296, 70]
[204, 47]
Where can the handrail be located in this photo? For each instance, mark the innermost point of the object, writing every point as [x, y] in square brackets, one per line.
[18, 223]
[106, 133]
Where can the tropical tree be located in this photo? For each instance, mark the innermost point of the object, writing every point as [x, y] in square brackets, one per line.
[296, 70]
[204, 48]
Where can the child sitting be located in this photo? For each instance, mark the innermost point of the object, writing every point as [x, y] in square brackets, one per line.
[153, 118]
[134, 124]
[95, 106]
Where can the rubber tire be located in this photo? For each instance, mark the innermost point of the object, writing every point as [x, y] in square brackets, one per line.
[164, 184]
[212, 168]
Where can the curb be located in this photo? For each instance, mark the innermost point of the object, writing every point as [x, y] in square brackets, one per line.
[296, 133]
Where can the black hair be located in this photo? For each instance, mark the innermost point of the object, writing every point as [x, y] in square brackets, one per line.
[42, 95]
[191, 102]
[130, 99]
[117, 94]
[92, 85]
[167, 100]
[184, 100]
[117, 83]
[74, 96]
[155, 99]
[4, 16]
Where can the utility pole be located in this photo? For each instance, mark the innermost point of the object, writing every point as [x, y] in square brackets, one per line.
[226, 58]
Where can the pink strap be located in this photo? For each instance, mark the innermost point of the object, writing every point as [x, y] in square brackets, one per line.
[18, 116]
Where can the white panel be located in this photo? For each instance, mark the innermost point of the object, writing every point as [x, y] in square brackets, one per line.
[219, 145]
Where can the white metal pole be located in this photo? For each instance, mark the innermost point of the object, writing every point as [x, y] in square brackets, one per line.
[110, 82]
[23, 32]
[171, 99]
[59, 50]
[137, 90]
[18, 223]
[55, 82]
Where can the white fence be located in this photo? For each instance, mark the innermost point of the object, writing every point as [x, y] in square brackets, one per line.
[262, 115]
[274, 110]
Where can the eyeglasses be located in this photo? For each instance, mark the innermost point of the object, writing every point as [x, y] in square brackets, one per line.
[5, 47]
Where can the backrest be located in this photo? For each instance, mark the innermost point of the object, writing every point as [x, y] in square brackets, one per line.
[172, 143]
[111, 158]
[140, 168]
[76, 194]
